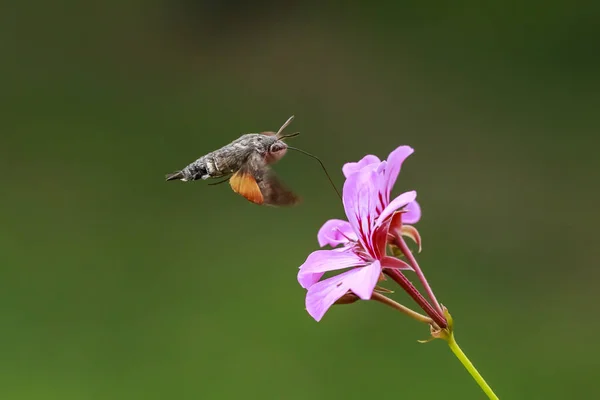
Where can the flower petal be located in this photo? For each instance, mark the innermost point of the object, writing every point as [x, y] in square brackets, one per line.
[322, 295]
[379, 239]
[394, 163]
[363, 282]
[360, 198]
[395, 204]
[321, 261]
[411, 232]
[394, 263]
[412, 213]
[352, 167]
[335, 232]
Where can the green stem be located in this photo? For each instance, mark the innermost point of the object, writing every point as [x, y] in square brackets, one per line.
[403, 309]
[462, 357]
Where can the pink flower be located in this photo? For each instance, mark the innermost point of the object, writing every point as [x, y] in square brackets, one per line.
[335, 231]
[364, 236]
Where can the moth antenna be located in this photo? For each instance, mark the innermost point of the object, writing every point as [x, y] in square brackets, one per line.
[289, 121]
[322, 166]
[289, 135]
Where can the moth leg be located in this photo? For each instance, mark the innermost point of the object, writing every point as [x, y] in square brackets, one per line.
[221, 181]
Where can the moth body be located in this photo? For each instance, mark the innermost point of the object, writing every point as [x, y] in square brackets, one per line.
[246, 161]
[231, 157]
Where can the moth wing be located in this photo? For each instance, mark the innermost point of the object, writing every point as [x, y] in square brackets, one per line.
[274, 192]
[243, 182]
[259, 184]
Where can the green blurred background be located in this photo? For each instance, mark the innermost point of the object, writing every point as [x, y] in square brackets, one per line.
[117, 285]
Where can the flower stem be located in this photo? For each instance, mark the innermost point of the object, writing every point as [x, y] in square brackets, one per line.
[413, 262]
[470, 367]
[407, 285]
[403, 309]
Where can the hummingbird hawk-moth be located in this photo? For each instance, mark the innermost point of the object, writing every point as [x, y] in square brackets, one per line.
[246, 164]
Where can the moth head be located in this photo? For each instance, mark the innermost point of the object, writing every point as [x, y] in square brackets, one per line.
[278, 148]
[276, 151]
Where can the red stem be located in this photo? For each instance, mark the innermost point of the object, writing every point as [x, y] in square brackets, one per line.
[407, 285]
[413, 262]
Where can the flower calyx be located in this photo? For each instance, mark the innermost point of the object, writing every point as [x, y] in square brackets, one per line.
[441, 333]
